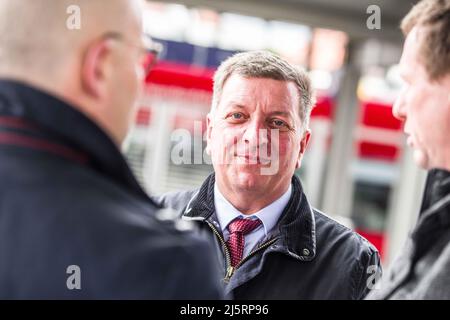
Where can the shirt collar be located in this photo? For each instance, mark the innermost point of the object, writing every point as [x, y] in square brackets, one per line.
[296, 225]
[268, 215]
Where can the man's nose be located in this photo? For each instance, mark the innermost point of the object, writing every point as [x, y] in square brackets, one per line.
[399, 108]
[256, 133]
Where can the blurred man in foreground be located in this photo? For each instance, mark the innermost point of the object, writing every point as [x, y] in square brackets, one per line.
[74, 223]
[422, 270]
[271, 243]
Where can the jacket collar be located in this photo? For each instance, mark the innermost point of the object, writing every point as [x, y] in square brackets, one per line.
[57, 120]
[434, 219]
[436, 203]
[437, 187]
[296, 226]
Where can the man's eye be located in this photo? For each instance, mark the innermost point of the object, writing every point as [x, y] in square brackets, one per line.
[279, 123]
[237, 116]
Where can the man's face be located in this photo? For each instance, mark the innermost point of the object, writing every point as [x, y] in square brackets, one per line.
[255, 134]
[126, 79]
[424, 106]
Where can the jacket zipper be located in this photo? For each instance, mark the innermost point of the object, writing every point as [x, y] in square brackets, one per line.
[230, 269]
[225, 248]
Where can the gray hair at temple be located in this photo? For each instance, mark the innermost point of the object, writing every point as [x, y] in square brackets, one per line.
[263, 64]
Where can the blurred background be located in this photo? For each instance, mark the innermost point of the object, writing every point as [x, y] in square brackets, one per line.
[357, 168]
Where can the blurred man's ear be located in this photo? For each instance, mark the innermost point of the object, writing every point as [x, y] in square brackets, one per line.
[95, 69]
[303, 145]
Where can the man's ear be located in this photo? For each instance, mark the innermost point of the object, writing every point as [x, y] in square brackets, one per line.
[208, 132]
[303, 145]
[95, 68]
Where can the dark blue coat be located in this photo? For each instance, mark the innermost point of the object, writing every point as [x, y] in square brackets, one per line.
[68, 198]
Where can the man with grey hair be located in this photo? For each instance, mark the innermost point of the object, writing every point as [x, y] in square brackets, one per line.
[270, 242]
[74, 222]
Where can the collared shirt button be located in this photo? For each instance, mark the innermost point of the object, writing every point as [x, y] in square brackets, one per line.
[306, 252]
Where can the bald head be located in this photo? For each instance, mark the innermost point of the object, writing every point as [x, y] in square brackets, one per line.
[35, 35]
[95, 72]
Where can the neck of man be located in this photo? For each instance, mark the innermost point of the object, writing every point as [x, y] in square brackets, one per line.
[249, 201]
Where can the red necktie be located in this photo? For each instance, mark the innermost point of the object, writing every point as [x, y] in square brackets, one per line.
[238, 228]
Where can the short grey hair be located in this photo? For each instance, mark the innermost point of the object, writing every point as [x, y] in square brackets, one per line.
[263, 64]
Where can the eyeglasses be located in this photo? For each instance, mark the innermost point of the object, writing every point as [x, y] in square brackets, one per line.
[150, 49]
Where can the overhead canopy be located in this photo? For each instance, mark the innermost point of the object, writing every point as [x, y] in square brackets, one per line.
[349, 16]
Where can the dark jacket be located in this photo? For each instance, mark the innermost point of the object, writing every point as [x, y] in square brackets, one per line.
[422, 271]
[307, 256]
[68, 198]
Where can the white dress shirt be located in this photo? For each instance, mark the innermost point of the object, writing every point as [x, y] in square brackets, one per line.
[269, 216]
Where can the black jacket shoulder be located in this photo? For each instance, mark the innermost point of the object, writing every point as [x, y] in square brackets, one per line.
[352, 251]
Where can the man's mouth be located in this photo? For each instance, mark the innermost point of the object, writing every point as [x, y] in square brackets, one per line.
[252, 159]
